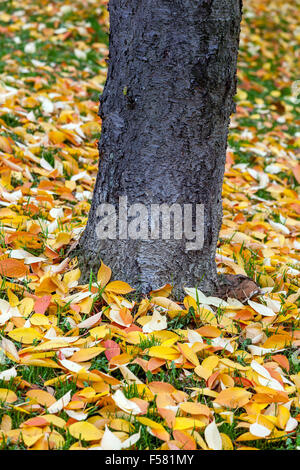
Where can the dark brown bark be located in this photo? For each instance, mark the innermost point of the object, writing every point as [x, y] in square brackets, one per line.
[165, 113]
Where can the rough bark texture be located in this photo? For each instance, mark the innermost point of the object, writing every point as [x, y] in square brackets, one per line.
[165, 113]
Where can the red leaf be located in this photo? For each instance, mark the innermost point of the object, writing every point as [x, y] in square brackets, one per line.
[112, 349]
[42, 303]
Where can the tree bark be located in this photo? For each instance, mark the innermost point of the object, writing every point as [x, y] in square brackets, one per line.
[165, 113]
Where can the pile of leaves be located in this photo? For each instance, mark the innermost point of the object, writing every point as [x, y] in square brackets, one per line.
[94, 366]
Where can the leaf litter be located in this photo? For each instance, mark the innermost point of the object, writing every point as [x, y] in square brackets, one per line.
[90, 366]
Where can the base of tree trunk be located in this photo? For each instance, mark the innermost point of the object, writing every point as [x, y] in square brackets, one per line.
[224, 286]
[130, 262]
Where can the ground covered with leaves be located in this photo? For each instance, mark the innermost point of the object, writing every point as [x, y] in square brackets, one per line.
[94, 366]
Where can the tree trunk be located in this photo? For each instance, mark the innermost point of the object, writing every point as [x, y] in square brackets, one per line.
[165, 113]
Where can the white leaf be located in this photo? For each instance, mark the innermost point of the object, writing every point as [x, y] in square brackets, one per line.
[273, 169]
[259, 351]
[44, 164]
[8, 346]
[222, 343]
[47, 105]
[158, 322]
[115, 316]
[56, 212]
[197, 295]
[110, 441]
[213, 437]
[271, 383]
[261, 309]
[80, 54]
[259, 430]
[91, 321]
[8, 374]
[279, 227]
[30, 48]
[51, 333]
[291, 424]
[131, 440]
[27, 257]
[274, 305]
[78, 415]
[194, 337]
[68, 352]
[124, 404]
[14, 196]
[70, 365]
[60, 404]
[260, 369]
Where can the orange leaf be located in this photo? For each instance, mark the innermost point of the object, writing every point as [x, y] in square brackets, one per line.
[161, 387]
[233, 397]
[36, 421]
[296, 171]
[282, 361]
[42, 398]
[126, 316]
[13, 268]
[163, 291]
[187, 442]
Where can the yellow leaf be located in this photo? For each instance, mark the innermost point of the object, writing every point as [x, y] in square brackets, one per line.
[206, 316]
[63, 238]
[57, 137]
[210, 362]
[188, 353]
[282, 417]
[5, 145]
[85, 431]
[31, 434]
[195, 408]
[203, 372]
[118, 287]
[71, 277]
[7, 395]
[26, 306]
[104, 275]
[121, 425]
[157, 429]
[55, 420]
[6, 423]
[166, 303]
[99, 332]
[49, 345]
[39, 319]
[226, 442]
[12, 298]
[25, 335]
[164, 353]
[187, 423]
